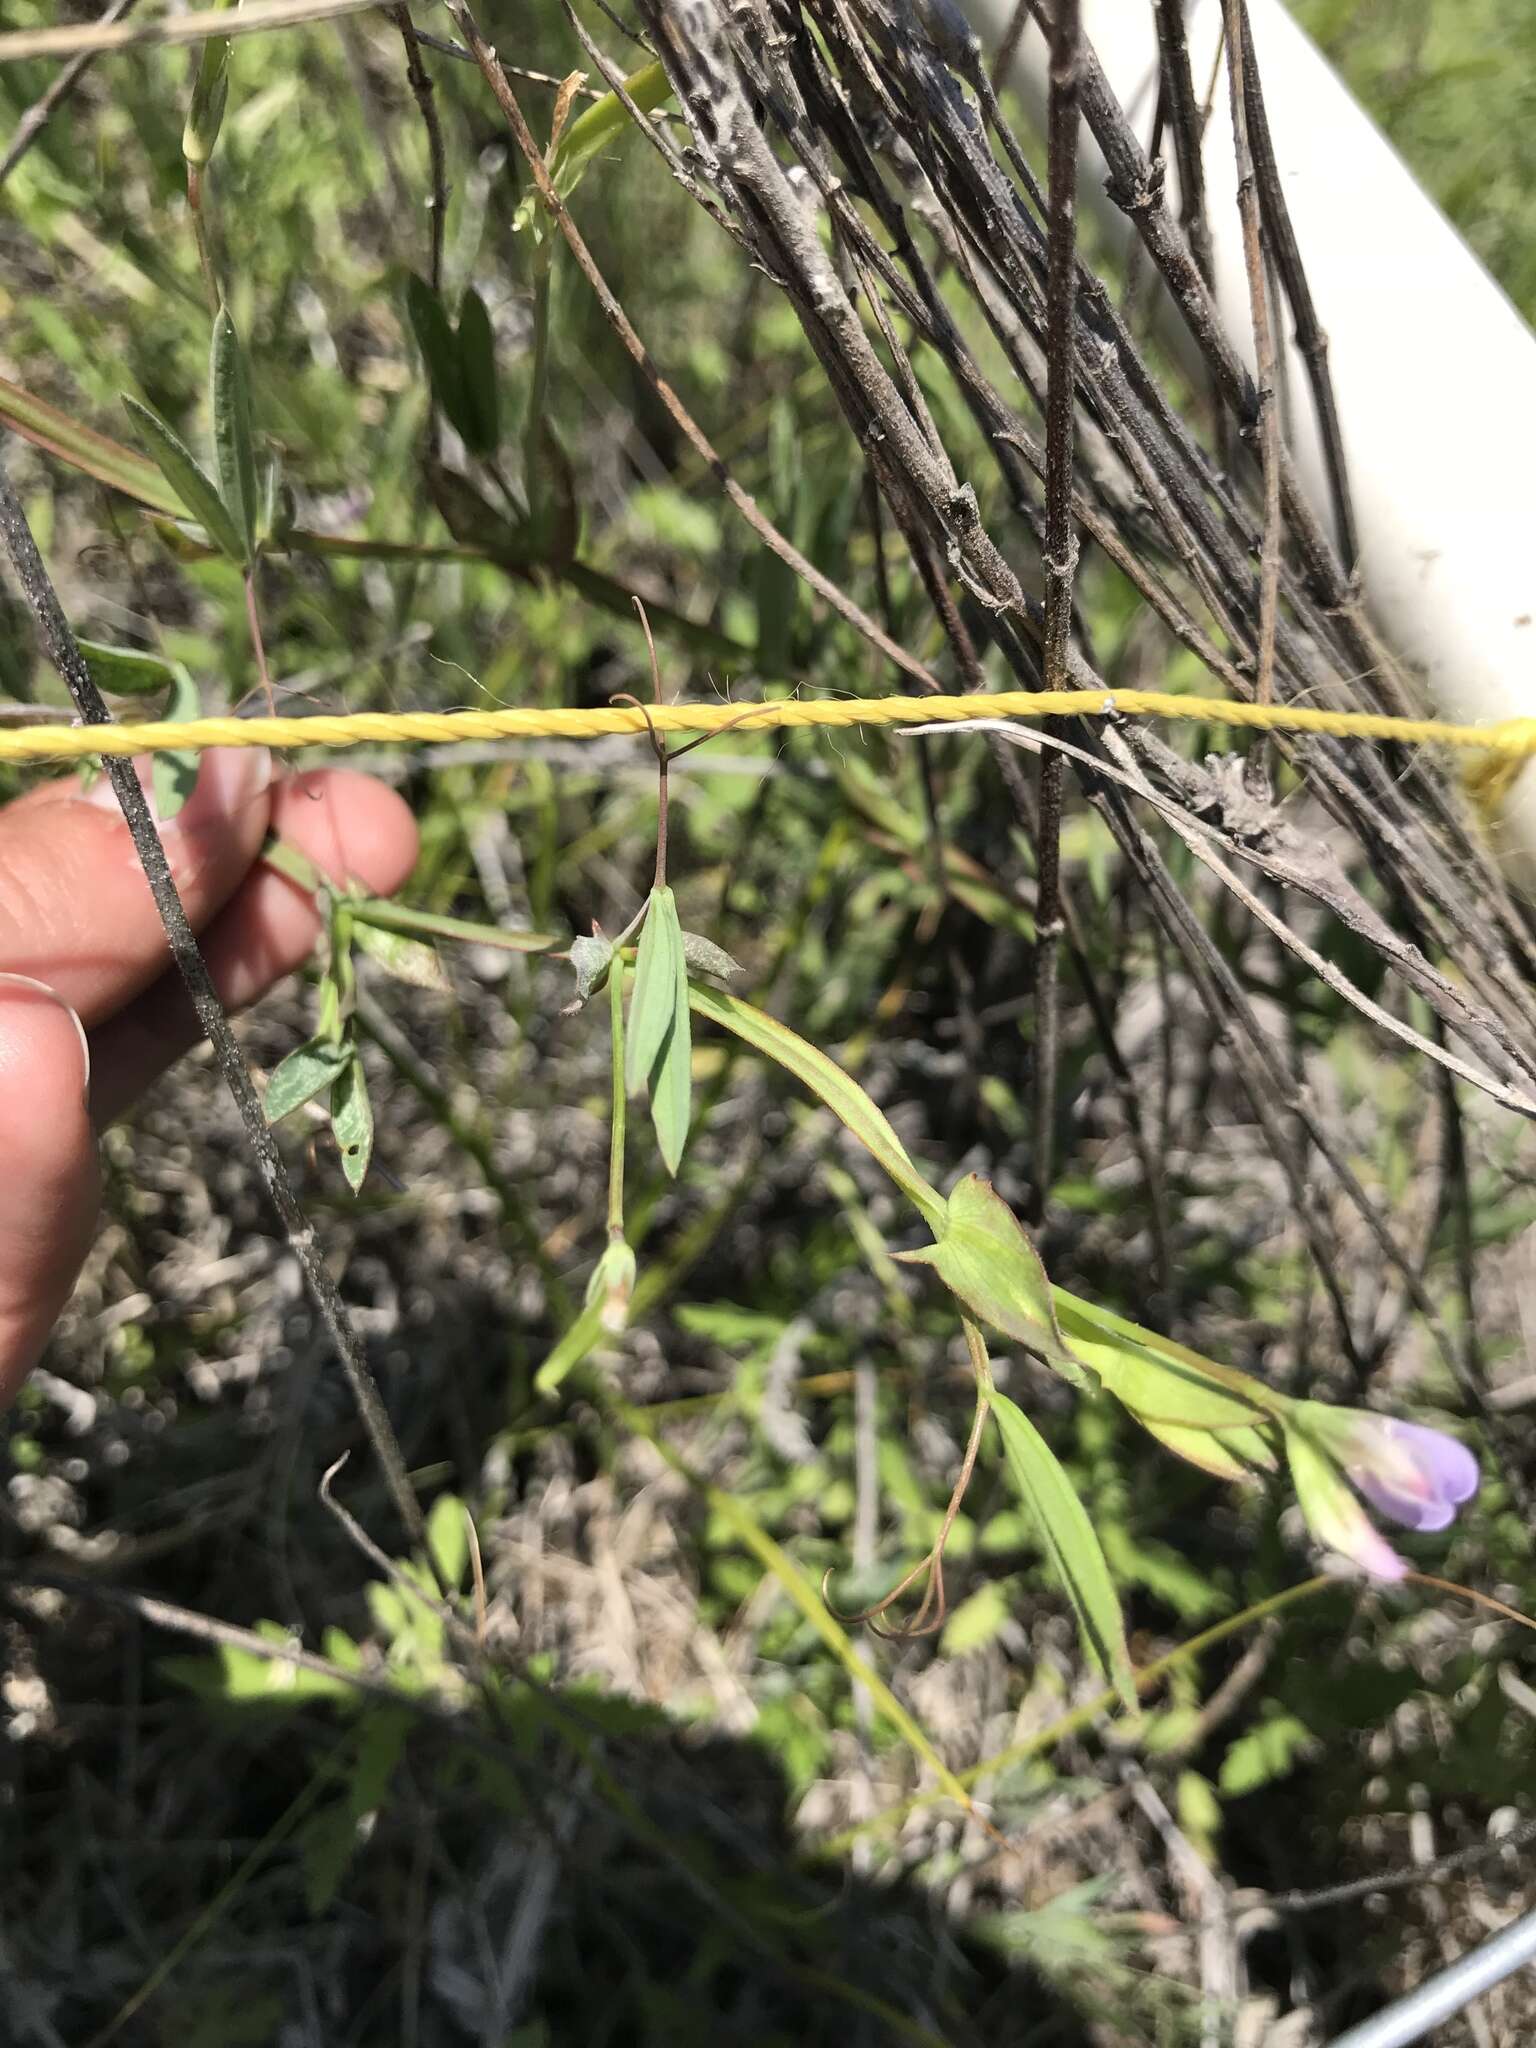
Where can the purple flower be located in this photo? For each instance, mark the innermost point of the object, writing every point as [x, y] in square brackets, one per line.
[1333, 1514]
[1417, 1476]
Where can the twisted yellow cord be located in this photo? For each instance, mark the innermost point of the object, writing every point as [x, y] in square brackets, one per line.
[1512, 738]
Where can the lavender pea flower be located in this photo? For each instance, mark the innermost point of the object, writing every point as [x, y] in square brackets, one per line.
[1417, 1476]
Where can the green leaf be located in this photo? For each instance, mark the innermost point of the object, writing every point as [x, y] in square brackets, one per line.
[477, 373]
[300, 1077]
[658, 1048]
[825, 1079]
[448, 1538]
[603, 122]
[1199, 1811]
[440, 353]
[234, 444]
[191, 483]
[127, 671]
[1269, 1751]
[174, 775]
[387, 916]
[352, 1121]
[672, 1081]
[1069, 1539]
[653, 1000]
[408, 960]
[984, 1258]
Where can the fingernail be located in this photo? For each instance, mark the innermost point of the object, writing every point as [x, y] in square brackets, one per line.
[24, 985]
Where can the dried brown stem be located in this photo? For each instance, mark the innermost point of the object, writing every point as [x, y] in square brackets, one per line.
[1268, 416]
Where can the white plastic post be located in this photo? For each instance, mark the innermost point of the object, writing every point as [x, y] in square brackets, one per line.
[1434, 369]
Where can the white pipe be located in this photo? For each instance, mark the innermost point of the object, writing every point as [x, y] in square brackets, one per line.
[1434, 369]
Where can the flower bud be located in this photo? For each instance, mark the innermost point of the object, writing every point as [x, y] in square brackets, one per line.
[612, 1284]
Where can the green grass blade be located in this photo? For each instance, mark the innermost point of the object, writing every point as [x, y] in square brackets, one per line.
[84, 449]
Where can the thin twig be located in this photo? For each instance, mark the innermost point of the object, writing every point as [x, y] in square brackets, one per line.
[252, 19]
[1407, 1879]
[496, 77]
[59, 641]
[1060, 563]
[1268, 411]
[421, 87]
[42, 109]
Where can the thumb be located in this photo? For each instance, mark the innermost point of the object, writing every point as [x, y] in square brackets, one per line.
[48, 1186]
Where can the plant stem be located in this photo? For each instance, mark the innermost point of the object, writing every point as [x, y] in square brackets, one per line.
[42, 600]
[620, 1105]
[258, 644]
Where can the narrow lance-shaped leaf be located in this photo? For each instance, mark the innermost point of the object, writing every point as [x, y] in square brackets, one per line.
[440, 352]
[477, 370]
[188, 479]
[301, 1076]
[233, 438]
[672, 1076]
[174, 775]
[352, 1121]
[93, 454]
[811, 1067]
[653, 1000]
[1069, 1540]
[983, 1257]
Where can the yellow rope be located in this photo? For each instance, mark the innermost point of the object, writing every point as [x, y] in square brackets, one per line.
[1512, 738]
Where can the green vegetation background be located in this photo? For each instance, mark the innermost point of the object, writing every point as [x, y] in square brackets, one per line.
[352, 1876]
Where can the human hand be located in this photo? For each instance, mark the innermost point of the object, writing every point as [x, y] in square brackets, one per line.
[91, 1009]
